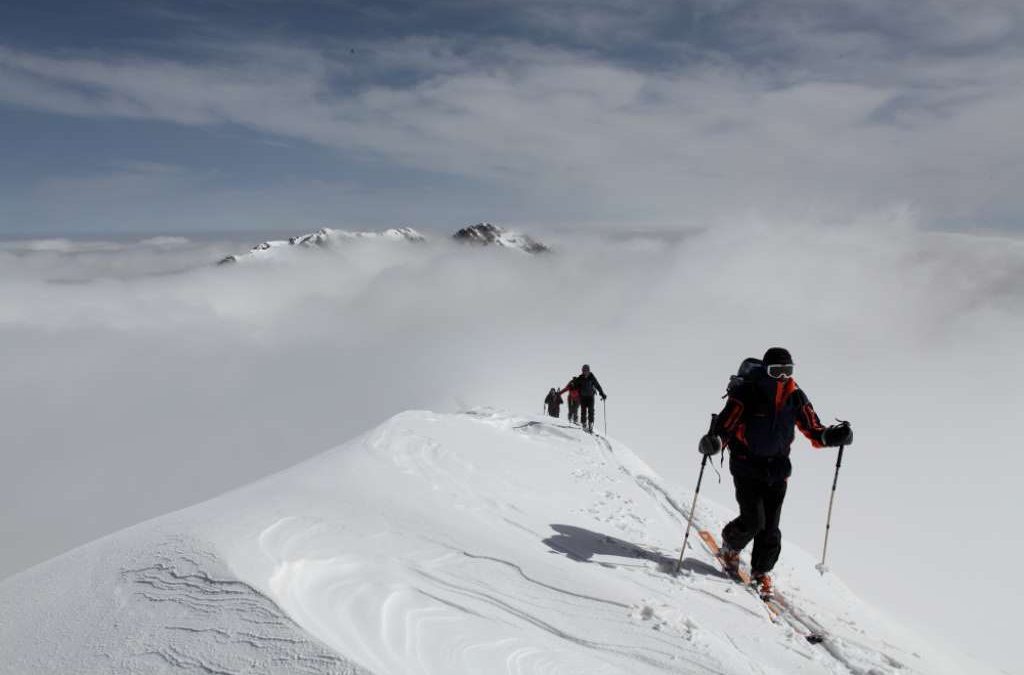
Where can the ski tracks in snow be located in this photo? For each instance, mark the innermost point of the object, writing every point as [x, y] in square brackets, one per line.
[451, 611]
[850, 656]
[451, 598]
[402, 602]
[467, 544]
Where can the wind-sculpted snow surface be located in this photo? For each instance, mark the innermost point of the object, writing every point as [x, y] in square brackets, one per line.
[487, 543]
[443, 544]
[140, 602]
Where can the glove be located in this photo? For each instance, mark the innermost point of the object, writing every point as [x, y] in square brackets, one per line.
[837, 434]
[709, 445]
[604, 397]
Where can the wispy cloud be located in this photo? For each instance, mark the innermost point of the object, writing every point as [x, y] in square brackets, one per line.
[551, 123]
[829, 111]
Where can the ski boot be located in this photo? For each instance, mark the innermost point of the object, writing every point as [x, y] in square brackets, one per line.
[762, 583]
[730, 558]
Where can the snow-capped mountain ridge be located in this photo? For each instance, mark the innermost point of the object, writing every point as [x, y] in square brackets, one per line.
[479, 542]
[327, 238]
[488, 234]
[324, 238]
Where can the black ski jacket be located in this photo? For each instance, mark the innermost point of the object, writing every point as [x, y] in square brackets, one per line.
[587, 384]
[758, 424]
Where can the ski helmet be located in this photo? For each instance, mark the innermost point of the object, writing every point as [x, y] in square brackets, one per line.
[777, 356]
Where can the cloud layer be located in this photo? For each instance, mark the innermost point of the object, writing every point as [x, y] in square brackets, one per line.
[133, 390]
[801, 110]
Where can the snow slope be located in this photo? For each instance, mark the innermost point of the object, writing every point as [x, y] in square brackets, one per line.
[478, 542]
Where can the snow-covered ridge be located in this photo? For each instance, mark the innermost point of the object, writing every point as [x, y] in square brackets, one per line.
[326, 238]
[472, 543]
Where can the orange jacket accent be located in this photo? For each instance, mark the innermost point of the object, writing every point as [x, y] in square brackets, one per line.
[758, 424]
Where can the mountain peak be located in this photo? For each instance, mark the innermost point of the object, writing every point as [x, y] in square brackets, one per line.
[485, 234]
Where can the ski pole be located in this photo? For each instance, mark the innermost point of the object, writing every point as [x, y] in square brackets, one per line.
[604, 414]
[693, 507]
[828, 521]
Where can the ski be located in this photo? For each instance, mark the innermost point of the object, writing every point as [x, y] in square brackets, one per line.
[778, 609]
[739, 575]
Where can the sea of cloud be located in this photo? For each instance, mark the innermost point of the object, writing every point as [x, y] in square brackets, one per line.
[139, 377]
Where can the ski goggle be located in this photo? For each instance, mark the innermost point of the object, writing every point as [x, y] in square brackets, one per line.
[780, 370]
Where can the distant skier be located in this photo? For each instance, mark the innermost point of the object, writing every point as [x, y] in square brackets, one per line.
[757, 424]
[553, 402]
[586, 384]
[574, 400]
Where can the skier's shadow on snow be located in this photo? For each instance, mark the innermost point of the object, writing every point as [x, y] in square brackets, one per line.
[582, 545]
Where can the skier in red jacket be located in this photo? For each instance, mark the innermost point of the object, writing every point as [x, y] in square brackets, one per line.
[758, 425]
[573, 389]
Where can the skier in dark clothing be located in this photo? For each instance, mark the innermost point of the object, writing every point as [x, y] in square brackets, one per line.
[586, 384]
[757, 424]
[553, 402]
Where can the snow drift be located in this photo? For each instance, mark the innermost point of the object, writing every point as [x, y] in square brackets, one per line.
[478, 542]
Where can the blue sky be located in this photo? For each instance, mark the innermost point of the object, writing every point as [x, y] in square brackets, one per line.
[161, 117]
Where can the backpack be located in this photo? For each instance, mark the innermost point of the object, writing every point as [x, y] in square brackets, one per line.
[748, 368]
